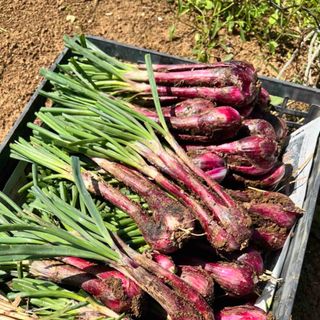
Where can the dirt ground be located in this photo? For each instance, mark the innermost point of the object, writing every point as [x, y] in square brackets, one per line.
[31, 34]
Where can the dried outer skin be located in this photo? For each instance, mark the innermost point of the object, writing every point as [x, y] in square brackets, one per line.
[110, 293]
[269, 236]
[259, 127]
[245, 312]
[249, 78]
[199, 279]
[253, 259]
[267, 181]
[270, 206]
[236, 279]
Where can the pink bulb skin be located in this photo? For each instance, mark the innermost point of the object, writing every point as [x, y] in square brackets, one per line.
[244, 312]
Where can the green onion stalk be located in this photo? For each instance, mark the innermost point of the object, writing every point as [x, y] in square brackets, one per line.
[109, 286]
[116, 219]
[122, 134]
[27, 236]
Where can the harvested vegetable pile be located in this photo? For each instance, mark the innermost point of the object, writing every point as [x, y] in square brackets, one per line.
[152, 193]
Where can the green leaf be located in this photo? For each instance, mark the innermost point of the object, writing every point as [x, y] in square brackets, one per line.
[13, 253]
[273, 46]
[11, 203]
[228, 57]
[76, 171]
[83, 42]
[273, 18]
[155, 92]
[209, 5]
[172, 31]
[276, 101]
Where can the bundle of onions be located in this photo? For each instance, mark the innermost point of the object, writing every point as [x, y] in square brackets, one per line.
[94, 116]
[164, 231]
[253, 155]
[122, 136]
[28, 236]
[228, 83]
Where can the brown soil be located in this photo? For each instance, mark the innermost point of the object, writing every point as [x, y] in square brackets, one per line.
[31, 37]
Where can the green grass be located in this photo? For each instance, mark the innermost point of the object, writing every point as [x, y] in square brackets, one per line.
[276, 24]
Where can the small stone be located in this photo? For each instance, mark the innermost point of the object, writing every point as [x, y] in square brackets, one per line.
[71, 18]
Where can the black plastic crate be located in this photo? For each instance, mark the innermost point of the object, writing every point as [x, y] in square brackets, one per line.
[285, 294]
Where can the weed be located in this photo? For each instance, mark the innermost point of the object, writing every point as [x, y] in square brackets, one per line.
[271, 22]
